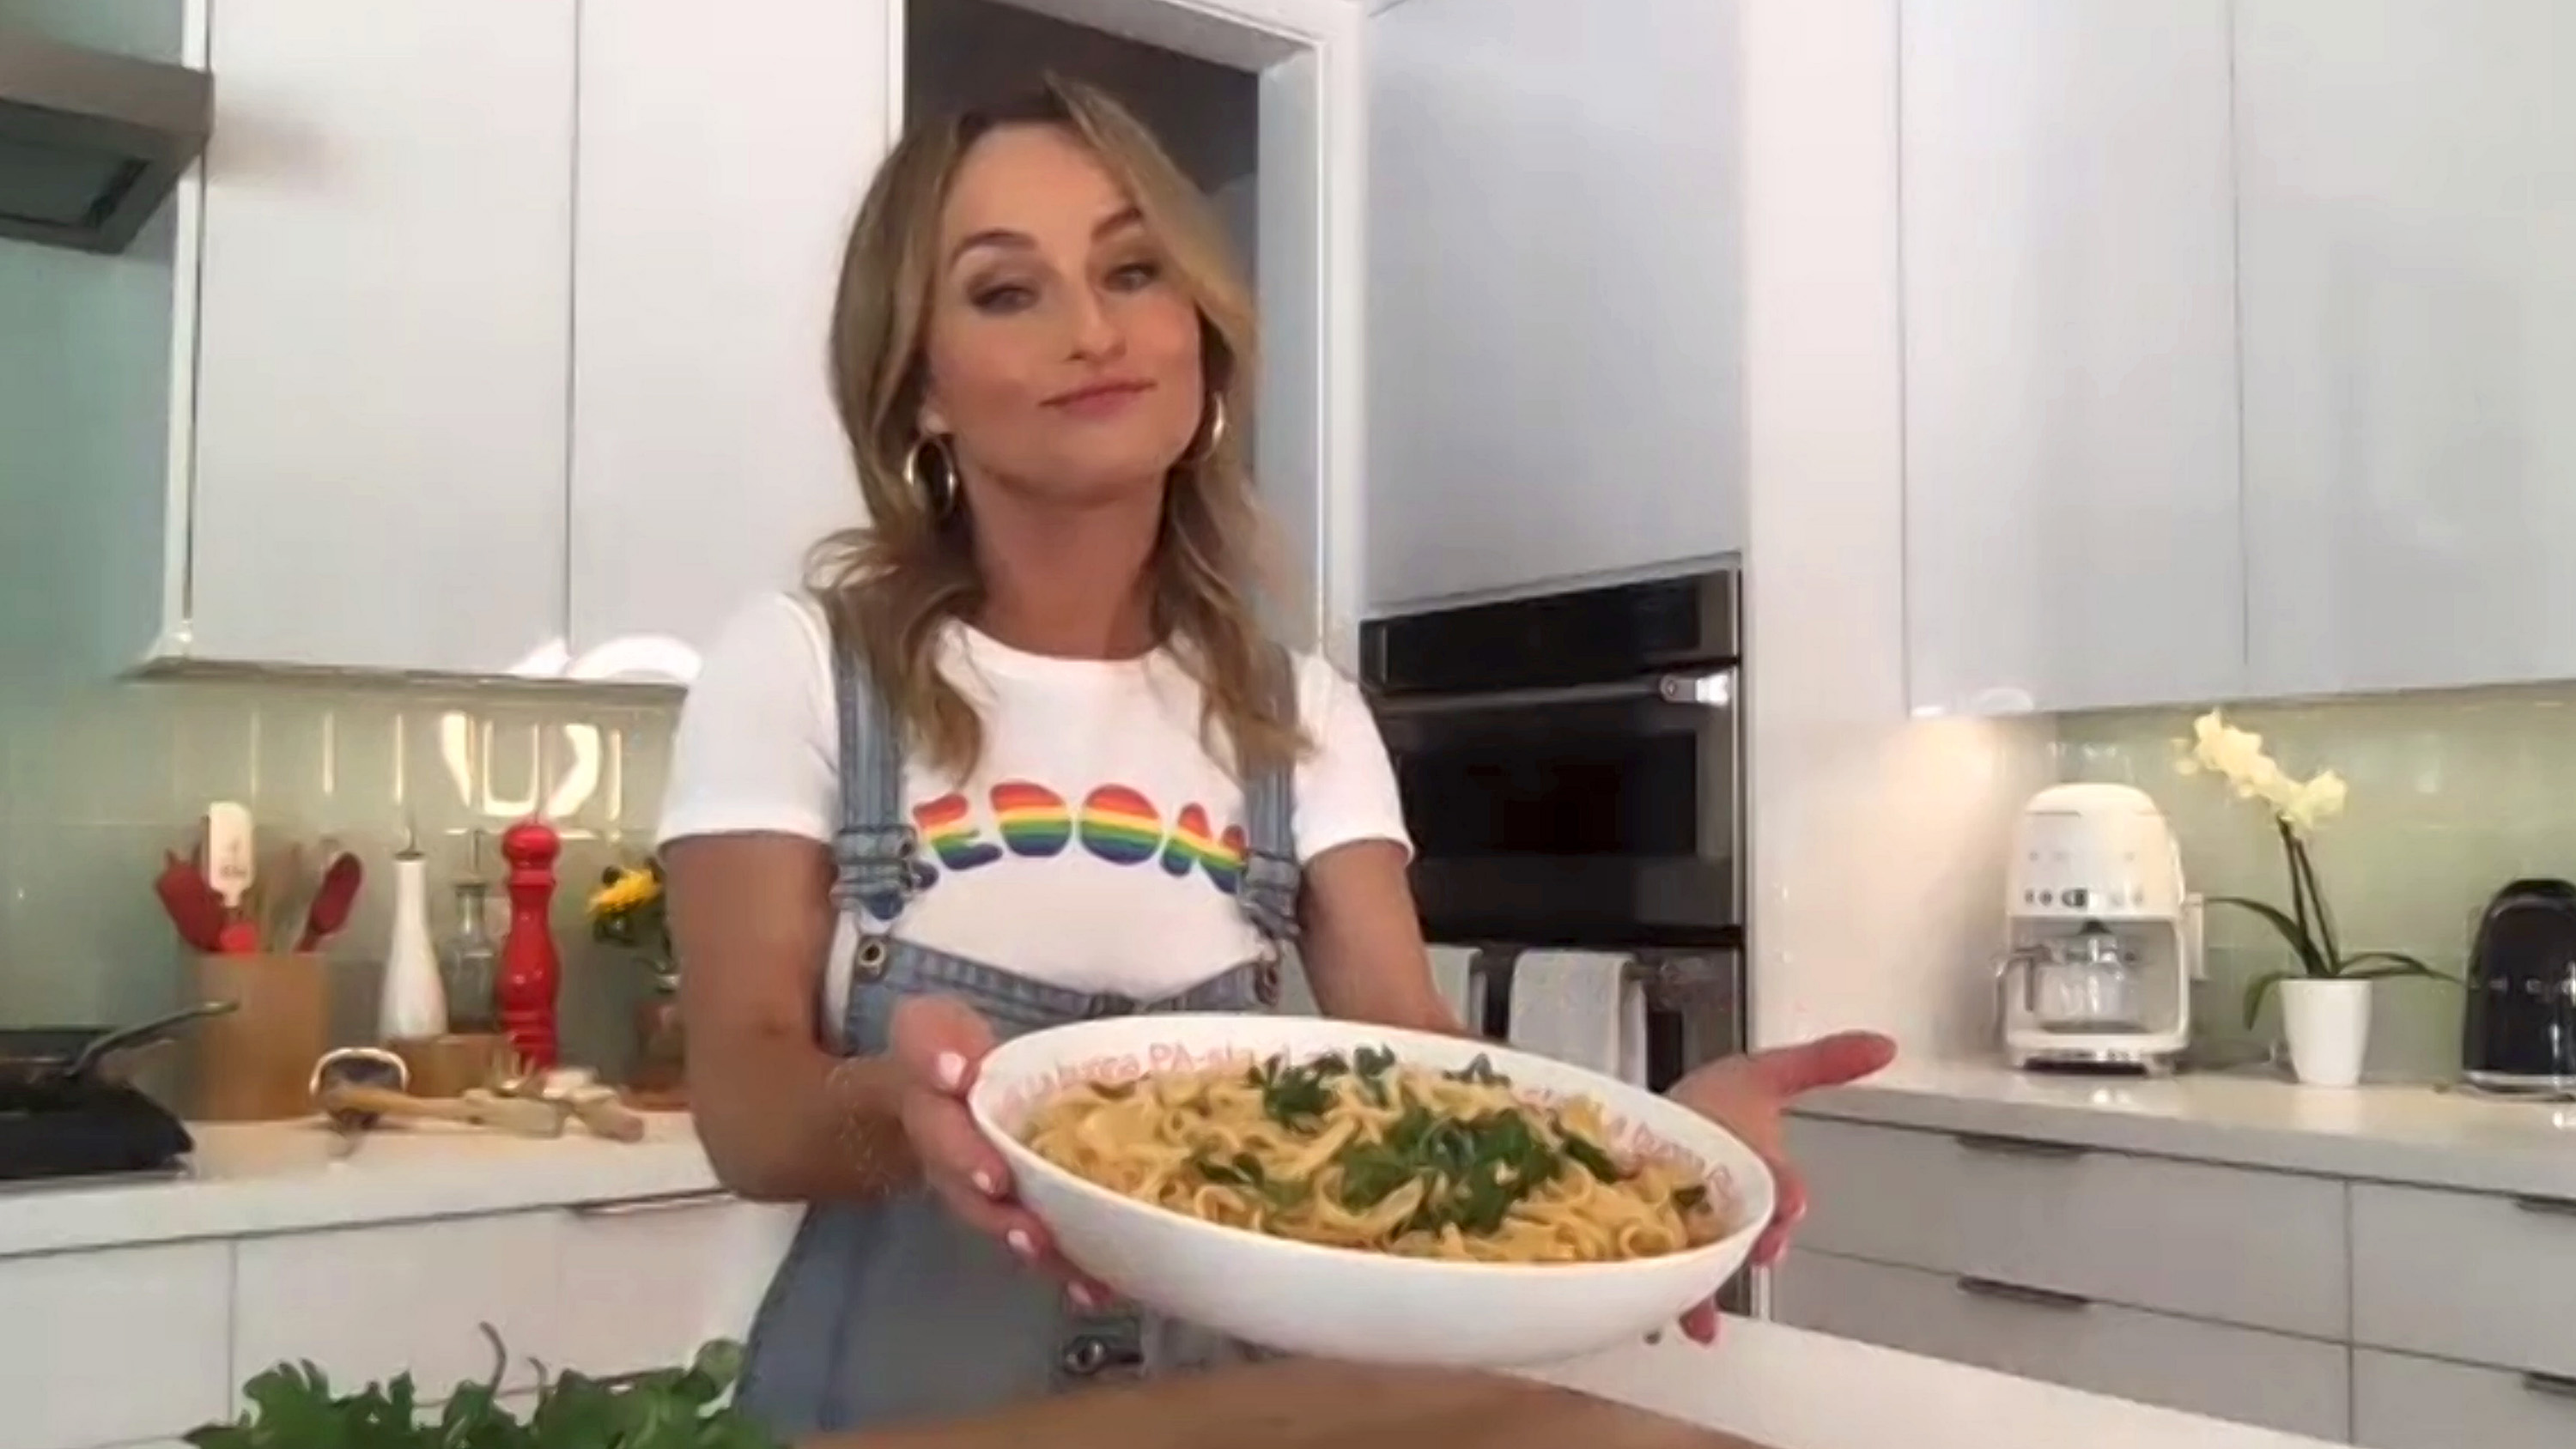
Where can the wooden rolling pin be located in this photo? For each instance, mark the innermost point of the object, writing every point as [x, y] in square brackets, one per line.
[1306, 1404]
[519, 1117]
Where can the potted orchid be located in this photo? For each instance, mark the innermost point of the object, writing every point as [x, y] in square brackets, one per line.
[2325, 995]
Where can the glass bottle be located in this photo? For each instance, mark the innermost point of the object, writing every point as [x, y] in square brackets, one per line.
[469, 960]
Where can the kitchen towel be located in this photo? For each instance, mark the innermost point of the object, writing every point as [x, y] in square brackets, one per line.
[1580, 1007]
[1450, 972]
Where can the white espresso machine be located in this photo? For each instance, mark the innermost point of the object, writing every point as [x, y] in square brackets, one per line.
[2102, 939]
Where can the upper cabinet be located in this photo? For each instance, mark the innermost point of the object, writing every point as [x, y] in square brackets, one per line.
[1553, 292]
[381, 353]
[2071, 510]
[2408, 177]
[505, 352]
[720, 167]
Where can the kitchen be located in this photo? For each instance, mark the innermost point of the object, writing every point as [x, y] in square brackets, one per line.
[1980, 335]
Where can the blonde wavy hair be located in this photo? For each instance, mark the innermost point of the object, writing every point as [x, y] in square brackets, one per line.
[894, 584]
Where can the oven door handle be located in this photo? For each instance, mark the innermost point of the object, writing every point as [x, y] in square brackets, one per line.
[1713, 689]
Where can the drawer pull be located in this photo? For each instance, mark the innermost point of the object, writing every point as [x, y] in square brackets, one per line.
[632, 1207]
[2549, 1206]
[2017, 1146]
[2556, 1386]
[2017, 1293]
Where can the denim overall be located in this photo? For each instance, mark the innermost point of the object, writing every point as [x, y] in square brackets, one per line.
[891, 1311]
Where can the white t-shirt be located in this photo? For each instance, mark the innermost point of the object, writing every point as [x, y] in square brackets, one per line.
[1096, 846]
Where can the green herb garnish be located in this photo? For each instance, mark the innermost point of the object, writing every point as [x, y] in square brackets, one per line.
[1296, 1097]
[293, 1406]
[1594, 1159]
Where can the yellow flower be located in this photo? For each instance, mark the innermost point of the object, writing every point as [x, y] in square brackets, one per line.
[2318, 800]
[2236, 756]
[631, 889]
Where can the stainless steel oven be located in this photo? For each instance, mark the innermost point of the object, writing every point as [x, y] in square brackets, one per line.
[1572, 766]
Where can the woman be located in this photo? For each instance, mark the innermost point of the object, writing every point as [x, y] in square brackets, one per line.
[1024, 756]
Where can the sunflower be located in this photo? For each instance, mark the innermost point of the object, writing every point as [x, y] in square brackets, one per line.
[625, 891]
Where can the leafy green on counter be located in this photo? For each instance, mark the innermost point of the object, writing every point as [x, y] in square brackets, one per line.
[293, 1406]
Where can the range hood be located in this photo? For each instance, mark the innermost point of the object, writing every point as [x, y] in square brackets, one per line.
[91, 143]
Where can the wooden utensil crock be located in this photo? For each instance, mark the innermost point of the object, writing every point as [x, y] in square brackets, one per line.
[254, 1065]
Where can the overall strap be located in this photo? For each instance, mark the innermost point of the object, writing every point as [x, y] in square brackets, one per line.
[1271, 876]
[872, 845]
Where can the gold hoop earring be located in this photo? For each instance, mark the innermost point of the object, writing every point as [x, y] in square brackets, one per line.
[937, 491]
[1215, 430]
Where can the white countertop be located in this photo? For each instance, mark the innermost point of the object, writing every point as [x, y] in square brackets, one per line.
[1790, 1389]
[248, 1179]
[1777, 1386]
[2408, 1134]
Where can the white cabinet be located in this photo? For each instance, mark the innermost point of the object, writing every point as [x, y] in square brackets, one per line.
[2299, 1385]
[1554, 294]
[2230, 1245]
[720, 167]
[2071, 506]
[606, 1288]
[2408, 211]
[2403, 1402]
[2495, 1294]
[371, 1302]
[115, 1347]
[380, 345]
[505, 350]
[644, 1284]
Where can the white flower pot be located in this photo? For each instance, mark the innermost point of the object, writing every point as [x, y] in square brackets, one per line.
[2327, 1021]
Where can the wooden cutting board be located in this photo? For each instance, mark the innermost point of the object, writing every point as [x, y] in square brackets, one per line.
[1304, 1404]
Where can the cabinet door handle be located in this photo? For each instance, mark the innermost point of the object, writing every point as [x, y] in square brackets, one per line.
[2018, 1146]
[2555, 1386]
[2017, 1293]
[631, 1207]
[2548, 1206]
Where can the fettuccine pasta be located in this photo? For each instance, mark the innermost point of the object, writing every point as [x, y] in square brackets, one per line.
[1366, 1152]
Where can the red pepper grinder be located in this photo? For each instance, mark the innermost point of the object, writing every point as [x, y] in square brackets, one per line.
[530, 971]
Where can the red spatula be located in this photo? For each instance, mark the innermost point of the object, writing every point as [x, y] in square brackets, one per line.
[332, 902]
[193, 907]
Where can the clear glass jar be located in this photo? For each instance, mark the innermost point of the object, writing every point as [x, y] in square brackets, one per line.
[469, 962]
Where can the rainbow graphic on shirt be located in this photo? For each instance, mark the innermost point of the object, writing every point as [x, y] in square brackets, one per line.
[1118, 824]
[947, 827]
[1032, 818]
[1193, 844]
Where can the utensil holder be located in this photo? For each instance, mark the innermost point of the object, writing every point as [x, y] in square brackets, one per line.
[255, 1064]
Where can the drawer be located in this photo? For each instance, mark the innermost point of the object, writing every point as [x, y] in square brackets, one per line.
[2463, 1275]
[114, 1347]
[2231, 1245]
[2403, 1402]
[369, 1303]
[2243, 1374]
[646, 1282]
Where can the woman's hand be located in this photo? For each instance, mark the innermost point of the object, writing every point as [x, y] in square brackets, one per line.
[1747, 1095]
[937, 1043]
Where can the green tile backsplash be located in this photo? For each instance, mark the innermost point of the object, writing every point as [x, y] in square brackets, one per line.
[2452, 795]
[97, 781]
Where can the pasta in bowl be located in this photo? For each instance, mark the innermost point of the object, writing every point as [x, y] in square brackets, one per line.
[1369, 1194]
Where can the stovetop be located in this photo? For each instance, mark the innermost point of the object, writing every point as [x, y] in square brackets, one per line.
[87, 1132]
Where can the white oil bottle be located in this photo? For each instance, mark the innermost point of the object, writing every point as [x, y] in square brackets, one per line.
[413, 1006]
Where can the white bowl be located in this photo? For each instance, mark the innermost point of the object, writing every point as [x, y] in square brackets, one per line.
[1338, 1302]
